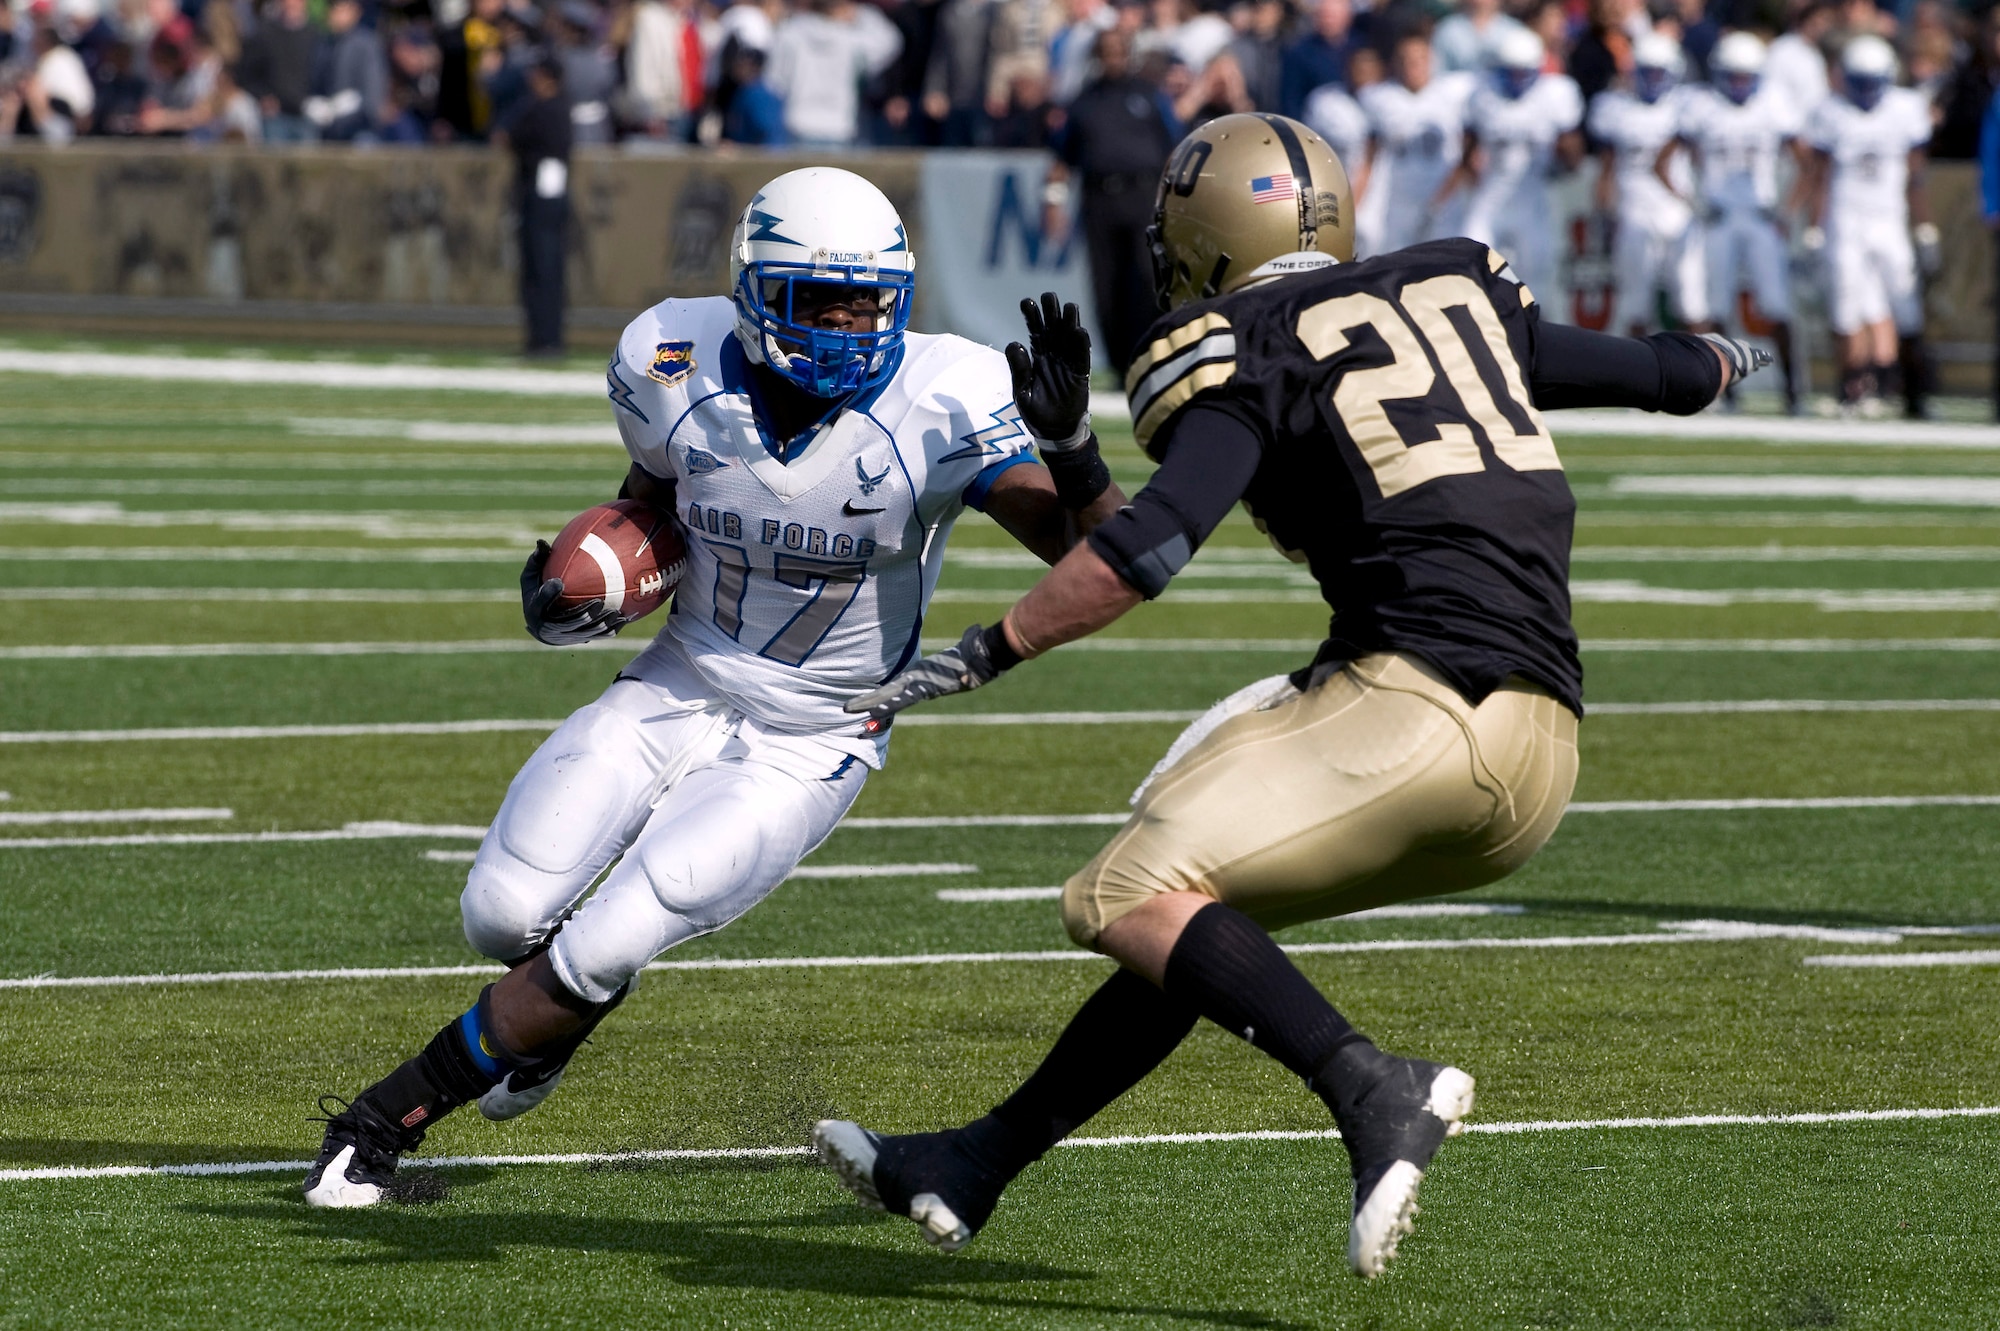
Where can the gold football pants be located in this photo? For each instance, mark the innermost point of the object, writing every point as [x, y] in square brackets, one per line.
[1379, 784]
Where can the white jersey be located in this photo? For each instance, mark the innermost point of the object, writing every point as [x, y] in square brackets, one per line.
[1635, 131]
[807, 578]
[1419, 135]
[1339, 119]
[1870, 152]
[1518, 137]
[1738, 145]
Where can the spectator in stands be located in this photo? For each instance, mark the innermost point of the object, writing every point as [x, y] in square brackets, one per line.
[53, 95]
[413, 86]
[468, 53]
[120, 92]
[590, 77]
[1968, 95]
[350, 78]
[1989, 207]
[1795, 69]
[277, 70]
[955, 77]
[1462, 40]
[1073, 47]
[1259, 50]
[656, 70]
[1694, 22]
[1319, 57]
[84, 29]
[817, 60]
[183, 74]
[1114, 144]
[754, 114]
[1604, 52]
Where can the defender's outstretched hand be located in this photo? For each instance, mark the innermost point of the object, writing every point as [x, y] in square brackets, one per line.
[957, 669]
[1744, 359]
[1052, 373]
[587, 621]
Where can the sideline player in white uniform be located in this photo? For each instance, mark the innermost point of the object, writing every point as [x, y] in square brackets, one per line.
[1736, 131]
[1521, 126]
[1650, 252]
[816, 455]
[1339, 119]
[1868, 156]
[1416, 124]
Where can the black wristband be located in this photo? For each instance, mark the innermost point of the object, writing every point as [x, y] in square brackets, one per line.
[1079, 473]
[1000, 651]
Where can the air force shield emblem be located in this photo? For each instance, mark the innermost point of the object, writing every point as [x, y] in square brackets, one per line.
[672, 362]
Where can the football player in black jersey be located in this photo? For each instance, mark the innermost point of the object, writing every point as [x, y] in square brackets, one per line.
[1382, 422]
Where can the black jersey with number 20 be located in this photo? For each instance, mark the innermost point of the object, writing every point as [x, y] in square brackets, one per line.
[1403, 459]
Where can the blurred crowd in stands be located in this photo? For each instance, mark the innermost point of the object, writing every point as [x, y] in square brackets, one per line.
[857, 72]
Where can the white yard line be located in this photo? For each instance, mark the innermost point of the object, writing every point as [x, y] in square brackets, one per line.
[274, 732]
[304, 373]
[1776, 429]
[521, 528]
[142, 651]
[1986, 958]
[298, 595]
[1821, 802]
[1784, 554]
[880, 870]
[451, 856]
[457, 432]
[55, 1173]
[371, 831]
[66, 817]
[1795, 705]
[1943, 491]
[1627, 591]
[258, 554]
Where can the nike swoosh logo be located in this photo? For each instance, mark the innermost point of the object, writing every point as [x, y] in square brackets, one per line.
[851, 511]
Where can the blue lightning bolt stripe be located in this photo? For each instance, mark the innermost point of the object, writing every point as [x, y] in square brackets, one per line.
[902, 245]
[986, 443]
[767, 226]
[620, 391]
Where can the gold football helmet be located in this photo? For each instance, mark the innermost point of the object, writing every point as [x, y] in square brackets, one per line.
[1239, 192]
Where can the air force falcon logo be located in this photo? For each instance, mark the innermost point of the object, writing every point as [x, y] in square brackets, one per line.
[672, 362]
[868, 483]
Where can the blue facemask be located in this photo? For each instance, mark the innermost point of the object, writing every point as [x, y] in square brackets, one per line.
[827, 362]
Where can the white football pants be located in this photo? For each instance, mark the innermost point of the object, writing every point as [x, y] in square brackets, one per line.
[1744, 251]
[704, 813]
[1872, 275]
[1650, 254]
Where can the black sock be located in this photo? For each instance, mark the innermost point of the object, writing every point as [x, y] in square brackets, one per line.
[1889, 380]
[1915, 363]
[1121, 1033]
[1234, 974]
[438, 1080]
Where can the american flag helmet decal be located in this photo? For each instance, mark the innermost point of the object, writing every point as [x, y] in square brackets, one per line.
[1272, 189]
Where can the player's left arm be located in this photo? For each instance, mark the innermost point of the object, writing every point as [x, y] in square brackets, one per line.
[1208, 461]
[1050, 508]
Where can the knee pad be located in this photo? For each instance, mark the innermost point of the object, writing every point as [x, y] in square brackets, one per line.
[709, 881]
[577, 798]
[504, 918]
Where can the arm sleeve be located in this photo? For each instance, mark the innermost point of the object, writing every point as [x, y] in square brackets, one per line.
[1676, 373]
[1211, 453]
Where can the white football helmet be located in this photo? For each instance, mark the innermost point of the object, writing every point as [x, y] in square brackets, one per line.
[826, 226]
[1516, 60]
[1867, 68]
[1737, 66]
[1657, 65]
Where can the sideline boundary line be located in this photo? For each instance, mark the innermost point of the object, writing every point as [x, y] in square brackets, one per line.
[55, 1173]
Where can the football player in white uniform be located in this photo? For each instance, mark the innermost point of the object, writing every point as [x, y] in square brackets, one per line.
[1416, 123]
[1521, 126]
[1735, 131]
[816, 455]
[1868, 155]
[1339, 119]
[1650, 252]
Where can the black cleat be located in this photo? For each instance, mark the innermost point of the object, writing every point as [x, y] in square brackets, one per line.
[1394, 1114]
[925, 1176]
[358, 1158]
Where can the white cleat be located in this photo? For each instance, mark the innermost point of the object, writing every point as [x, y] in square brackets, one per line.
[848, 1149]
[517, 1093]
[331, 1185]
[942, 1228]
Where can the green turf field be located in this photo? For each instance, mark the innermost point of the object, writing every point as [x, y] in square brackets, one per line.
[262, 680]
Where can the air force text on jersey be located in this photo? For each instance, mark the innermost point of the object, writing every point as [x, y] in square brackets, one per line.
[809, 563]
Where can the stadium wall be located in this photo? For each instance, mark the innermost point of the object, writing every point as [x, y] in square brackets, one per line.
[336, 244]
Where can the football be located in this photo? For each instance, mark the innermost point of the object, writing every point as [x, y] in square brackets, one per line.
[625, 553]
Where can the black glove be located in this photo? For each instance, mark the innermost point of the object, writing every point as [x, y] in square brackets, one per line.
[1052, 374]
[587, 621]
[959, 669]
[1744, 359]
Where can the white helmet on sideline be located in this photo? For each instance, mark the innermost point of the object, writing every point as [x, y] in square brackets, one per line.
[1657, 65]
[1516, 59]
[828, 227]
[1867, 68]
[1737, 66]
